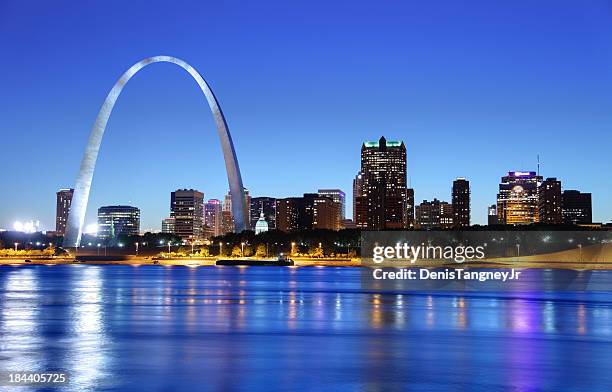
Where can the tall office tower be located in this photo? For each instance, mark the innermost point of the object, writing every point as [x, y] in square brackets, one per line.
[410, 208]
[461, 203]
[492, 218]
[383, 168]
[517, 200]
[577, 207]
[212, 216]
[434, 214]
[114, 221]
[288, 213]
[360, 207]
[550, 202]
[187, 209]
[168, 225]
[326, 213]
[63, 201]
[337, 196]
[267, 205]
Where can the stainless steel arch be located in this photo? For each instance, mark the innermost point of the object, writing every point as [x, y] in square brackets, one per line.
[76, 216]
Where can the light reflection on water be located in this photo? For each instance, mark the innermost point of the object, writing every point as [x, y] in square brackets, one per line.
[160, 328]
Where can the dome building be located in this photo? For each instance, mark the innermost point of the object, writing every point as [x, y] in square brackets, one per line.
[262, 225]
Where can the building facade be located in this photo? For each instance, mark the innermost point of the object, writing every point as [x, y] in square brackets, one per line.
[267, 205]
[187, 209]
[337, 196]
[492, 218]
[576, 207]
[383, 168]
[62, 208]
[213, 211]
[461, 203]
[434, 214]
[168, 225]
[360, 207]
[308, 212]
[410, 221]
[114, 221]
[517, 200]
[550, 202]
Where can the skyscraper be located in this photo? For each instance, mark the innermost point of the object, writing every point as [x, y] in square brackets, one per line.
[577, 208]
[410, 223]
[267, 205]
[517, 200]
[337, 196]
[227, 219]
[461, 203]
[550, 202]
[114, 221]
[492, 218]
[62, 208]
[187, 209]
[212, 216]
[383, 168]
[360, 207]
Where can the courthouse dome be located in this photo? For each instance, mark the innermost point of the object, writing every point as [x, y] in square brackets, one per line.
[262, 225]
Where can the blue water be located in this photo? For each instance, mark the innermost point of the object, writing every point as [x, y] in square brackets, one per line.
[158, 328]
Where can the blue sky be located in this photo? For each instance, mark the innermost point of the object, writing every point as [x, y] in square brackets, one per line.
[473, 88]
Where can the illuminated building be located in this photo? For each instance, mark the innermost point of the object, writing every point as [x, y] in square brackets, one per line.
[168, 225]
[410, 208]
[517, 200]
[550, 202]
[576, 207]
[227, 217]
[383, 168]
[434, 214]
[492, 218]
[360, 207]
[114, 221]
[267, 205]
[187, 209]
[262, 225]
[213, 211]
[62, 208]
[337, 196]
[308, 212]
[461, 203]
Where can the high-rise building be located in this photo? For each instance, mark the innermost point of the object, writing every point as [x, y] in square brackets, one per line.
[308, 212]
[492, 218]
[383, 168]
[550, 202]
[267, 205]
[410, 223]
[63, 201]
[288, 211]
[360, 207]
[213, 216]
[168, 225]
[517, 200]
[576, 207]
[114, 221]
[227, 219]
[434, 214]
[461, 203]
[187, 209]
[337, 196]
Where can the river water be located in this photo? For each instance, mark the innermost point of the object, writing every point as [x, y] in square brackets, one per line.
[152, 328]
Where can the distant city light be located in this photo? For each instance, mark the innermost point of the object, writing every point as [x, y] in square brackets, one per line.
[26, 227]
[91, 229]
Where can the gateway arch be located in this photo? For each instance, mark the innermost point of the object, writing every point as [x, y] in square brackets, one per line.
[76, 216]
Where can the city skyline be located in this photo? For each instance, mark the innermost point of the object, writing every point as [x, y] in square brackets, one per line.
[526, 100]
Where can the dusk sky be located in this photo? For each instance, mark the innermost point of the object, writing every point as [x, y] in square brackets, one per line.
[474, 89]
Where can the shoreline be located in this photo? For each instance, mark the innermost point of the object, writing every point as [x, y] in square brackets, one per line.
[308, 262]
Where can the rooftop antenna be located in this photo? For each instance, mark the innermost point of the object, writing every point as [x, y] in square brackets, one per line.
[538, 165]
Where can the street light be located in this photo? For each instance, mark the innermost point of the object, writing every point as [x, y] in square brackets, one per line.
[169, 243]
[220, 249]
[98, 249]
[242, 248]
[136, 248]
[292, 248]
[580, 250]
[16, 244]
